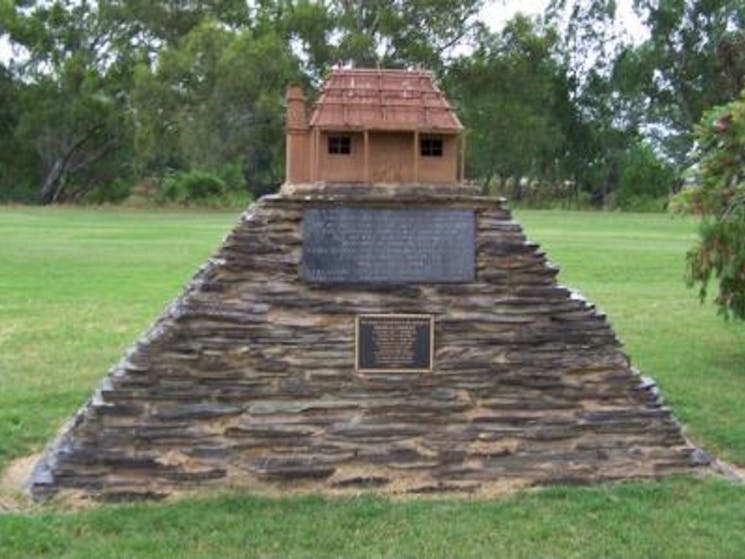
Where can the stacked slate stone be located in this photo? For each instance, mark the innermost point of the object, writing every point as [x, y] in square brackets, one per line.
[248, 378]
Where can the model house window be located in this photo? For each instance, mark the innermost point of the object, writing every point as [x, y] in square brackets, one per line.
[431, 147]
[340, 144]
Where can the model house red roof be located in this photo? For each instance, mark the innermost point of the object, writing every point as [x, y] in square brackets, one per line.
[383, 100]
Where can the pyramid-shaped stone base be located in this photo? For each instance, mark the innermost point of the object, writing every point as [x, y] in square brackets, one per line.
[248, 379]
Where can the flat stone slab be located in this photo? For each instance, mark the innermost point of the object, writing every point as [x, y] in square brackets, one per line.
[384, 245]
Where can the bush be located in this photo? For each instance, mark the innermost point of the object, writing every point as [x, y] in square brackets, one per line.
[18, 194]
[718, 196]
[204, 188]
[191, 186]
[113, 192]
[720, 253]
[645, 182]
[232, 175]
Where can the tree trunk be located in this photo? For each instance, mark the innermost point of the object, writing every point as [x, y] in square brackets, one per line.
[48, 191]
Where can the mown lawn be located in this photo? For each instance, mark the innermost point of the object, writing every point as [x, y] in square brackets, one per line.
[77, 286]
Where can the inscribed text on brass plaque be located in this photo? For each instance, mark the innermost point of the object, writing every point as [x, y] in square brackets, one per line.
[394, 343]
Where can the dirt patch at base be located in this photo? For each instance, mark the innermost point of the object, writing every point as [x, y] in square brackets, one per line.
[17, 472]
[15, 475]
[733, 472]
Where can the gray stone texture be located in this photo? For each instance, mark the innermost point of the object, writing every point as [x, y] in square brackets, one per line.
[248, 378]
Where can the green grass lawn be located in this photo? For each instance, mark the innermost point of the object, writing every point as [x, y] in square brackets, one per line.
[78, 286]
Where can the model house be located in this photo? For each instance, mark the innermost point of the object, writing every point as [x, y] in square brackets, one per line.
[374, 126]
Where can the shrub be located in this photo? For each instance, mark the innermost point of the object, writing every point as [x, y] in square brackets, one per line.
[191, 186]
[232, 175]
[112, 192]
[204, 188]
[718, 195]
[645, 181]
[20, 194]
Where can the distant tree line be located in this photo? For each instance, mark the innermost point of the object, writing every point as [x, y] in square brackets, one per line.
[185, 97]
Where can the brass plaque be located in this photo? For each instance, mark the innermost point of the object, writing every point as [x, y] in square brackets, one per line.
[394, 343]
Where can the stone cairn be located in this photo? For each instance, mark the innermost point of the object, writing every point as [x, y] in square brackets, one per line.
[248, 378]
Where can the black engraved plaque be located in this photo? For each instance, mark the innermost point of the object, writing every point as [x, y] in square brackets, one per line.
[363, 245]
[394, 343]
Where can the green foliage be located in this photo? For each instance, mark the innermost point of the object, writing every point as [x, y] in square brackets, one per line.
[18, 160]
[721, 254]
[152, 23]
[399, 33]
[645, 182]
[719, 197]
[692, 61]
[511, 98]
[204, 188]
[125, 91]
[653, 91]
[232, 174]
[112, 192]
[70, 126]
[215, 101]
[191, 185]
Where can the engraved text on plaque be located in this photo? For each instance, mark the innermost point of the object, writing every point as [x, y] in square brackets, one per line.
[394, 343]
[365, 245]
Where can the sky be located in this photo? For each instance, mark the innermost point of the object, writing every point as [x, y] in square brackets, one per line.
[4, 49]
[627, 26]
[495, 13]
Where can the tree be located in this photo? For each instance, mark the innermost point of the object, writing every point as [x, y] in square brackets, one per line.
[645, 180]
[512, 97]
[652, 93]
[590, 37]
[153, 24]
[214, 95]
[402, 32]
[77, 128]
[369, 33]
[215, 99]
[719, 198]
[18, 163]
[691, 61]
[73, 107]
[125, 90]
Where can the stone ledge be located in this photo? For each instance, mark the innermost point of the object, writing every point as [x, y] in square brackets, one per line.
[387, 190]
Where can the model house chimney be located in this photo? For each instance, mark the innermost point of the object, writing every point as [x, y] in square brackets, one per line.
[297, 164]
[296, 118]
